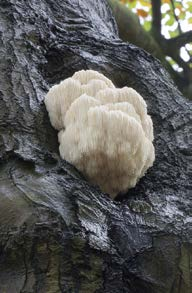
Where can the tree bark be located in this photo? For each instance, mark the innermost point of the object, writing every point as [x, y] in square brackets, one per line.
[58, 233]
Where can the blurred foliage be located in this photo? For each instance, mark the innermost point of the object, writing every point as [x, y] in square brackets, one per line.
[176, 18]
[143, 8]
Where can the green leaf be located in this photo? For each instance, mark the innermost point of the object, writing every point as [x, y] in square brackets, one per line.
[145, 3]
[173, 33]
[147, 25]
[189, 3]
[132, 4]
[171, 21]
[179, 6]
[182, 15]
[165, 14]
[171, 61]
[190, 8]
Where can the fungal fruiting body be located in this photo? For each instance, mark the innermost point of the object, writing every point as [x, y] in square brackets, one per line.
[104, 131]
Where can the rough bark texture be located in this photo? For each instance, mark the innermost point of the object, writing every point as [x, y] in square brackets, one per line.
[57, 232]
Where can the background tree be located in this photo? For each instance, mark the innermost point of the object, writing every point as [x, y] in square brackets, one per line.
[162, 28]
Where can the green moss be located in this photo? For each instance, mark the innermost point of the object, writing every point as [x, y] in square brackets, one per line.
[93, 275]
[88, 267]
[52, 276]
[186, 268]
[140, 206]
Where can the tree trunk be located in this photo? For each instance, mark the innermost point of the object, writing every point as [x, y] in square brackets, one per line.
[58, 232]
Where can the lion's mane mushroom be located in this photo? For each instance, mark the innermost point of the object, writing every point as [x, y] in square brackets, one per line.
[61, 96]
[104, 131]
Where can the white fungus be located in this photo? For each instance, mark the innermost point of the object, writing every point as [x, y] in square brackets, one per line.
[104, 131]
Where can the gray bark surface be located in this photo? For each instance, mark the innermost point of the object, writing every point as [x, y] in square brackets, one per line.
[58, 233]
